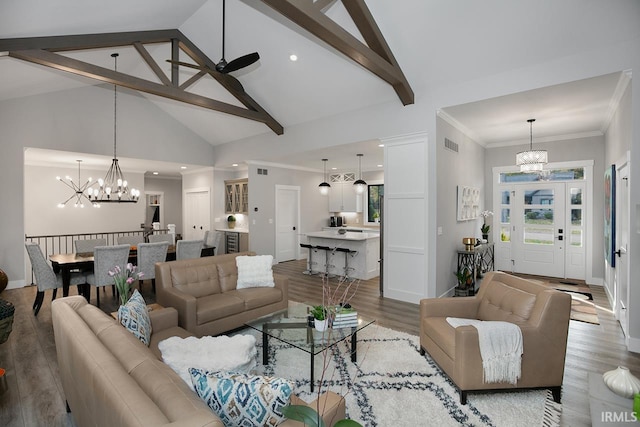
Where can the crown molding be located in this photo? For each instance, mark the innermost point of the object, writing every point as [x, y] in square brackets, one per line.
[623, 82]
[555, 138]
[462, 128]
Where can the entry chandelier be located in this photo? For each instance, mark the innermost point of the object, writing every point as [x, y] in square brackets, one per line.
[531, 160]
[78, 190]
[359, 185]
[324, 185]
[114, 188]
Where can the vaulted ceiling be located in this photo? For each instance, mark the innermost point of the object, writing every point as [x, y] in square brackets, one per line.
[423, 36]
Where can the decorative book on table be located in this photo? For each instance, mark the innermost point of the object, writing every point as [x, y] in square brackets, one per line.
[345, 317]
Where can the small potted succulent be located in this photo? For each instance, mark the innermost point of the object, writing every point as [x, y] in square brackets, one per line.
[319, 314]
[464, 277]
[231, 221]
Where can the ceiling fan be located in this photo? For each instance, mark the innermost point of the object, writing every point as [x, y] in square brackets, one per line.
[223, 66]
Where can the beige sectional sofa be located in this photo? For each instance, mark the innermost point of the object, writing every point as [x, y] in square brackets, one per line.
[111, 379]
[203, 290]
[541, 312]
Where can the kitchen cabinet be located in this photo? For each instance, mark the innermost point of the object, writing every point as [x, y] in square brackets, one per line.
[342, 197]
[236, 196]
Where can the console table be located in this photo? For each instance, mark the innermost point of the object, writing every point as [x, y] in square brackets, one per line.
[479, 260]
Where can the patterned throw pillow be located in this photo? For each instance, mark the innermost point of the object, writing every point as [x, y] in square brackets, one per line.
[135, 317]
[241, 399]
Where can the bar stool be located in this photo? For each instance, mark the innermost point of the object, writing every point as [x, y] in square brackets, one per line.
[310, 262]
[326, 250]
[347, 252]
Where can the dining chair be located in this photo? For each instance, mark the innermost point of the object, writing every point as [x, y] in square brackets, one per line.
[105, 258]
[87, 245]
[164, 237]
[148, 255]
[45, 276]
[131, 240]
[217, 239]
[188, 249]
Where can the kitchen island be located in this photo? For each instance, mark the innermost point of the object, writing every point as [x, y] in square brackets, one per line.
[363, 263]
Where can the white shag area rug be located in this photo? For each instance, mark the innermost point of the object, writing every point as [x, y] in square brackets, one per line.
[391, 384]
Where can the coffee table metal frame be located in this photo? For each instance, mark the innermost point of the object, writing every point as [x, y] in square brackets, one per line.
[315, 342]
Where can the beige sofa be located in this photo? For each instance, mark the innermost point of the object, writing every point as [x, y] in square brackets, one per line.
[542, 314]
[110, 378]
[203, 290]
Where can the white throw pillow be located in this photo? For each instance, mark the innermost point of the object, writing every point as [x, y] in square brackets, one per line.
[255, 271]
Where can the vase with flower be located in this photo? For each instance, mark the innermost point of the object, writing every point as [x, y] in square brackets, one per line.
[484, 229]
[123, 280]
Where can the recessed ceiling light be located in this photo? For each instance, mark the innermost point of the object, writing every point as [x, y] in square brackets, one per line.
[380, 145]
[334, 169]
[293, 57]
[155, 173]
[234, 165]
[183, 167]
[379, 166]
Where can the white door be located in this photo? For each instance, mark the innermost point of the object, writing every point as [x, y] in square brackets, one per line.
[541, 229]
[287, 222]
[196, 213]
[622, 240]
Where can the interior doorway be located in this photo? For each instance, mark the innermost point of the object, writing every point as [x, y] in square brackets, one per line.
[287, 222]
[622, 241]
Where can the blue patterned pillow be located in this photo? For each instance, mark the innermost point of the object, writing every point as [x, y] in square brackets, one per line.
[135, 317]
[241, 399]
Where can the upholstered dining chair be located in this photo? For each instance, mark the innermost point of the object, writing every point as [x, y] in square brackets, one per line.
[105, 258]
[45, 277]
[188, 249]
[131, 240]
[148, 255]
[87, 245]
[164, 237]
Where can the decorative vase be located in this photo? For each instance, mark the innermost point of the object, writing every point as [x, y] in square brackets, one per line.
[321, 325]
[4, 280]
[622, 382]
[232, 224]
[485, 237]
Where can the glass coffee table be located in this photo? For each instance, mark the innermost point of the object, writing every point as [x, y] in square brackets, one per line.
[291, 326]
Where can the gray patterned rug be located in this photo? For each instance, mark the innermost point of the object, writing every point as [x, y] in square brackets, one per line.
[391, 384]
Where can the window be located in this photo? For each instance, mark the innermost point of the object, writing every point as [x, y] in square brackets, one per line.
[571, 174]
[374, 192]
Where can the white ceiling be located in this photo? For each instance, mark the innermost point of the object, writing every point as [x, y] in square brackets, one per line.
[322, 82]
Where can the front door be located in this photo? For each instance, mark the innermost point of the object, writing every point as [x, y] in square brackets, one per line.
[541, 229]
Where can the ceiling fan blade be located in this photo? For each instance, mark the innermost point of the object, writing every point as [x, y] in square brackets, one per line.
[234, 83]
[188, 65]
[238, 63]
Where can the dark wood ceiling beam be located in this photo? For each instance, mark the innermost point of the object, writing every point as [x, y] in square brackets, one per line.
[87, 41]
[324, 5]
[175, 56]
[146, 56]
[372, 35]
[193, 79]
[63, 63]
[309, 17]
[228, 82]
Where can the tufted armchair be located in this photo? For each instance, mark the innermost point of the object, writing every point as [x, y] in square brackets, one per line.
[541, 312]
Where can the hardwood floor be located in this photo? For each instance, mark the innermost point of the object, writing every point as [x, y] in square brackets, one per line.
[35, 396]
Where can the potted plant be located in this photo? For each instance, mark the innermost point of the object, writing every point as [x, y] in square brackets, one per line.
[485, 231]
[465, 279]
[231, 221]
[319, 314]
[376, 217]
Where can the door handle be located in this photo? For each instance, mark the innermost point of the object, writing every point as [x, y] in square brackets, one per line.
[294, 228]
[618, 253]
[560, 238]
[194, 227]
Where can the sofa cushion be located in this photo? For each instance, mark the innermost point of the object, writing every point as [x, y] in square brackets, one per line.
[228, 275]
[506, 303]
[255, 271]
[243, 400]
[257, 297]
[218, 306]
[135, 317]
[197, 281]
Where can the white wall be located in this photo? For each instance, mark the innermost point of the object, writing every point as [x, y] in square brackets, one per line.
[464, 168]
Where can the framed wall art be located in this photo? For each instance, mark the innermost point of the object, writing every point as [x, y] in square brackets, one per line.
[468, 203]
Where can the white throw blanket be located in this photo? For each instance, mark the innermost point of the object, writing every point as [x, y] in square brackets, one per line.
[500, 348]
[222, 353]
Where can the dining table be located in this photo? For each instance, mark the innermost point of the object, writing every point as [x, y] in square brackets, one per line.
[68, 262]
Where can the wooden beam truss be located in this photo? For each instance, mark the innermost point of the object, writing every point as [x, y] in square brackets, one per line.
[43, 51]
